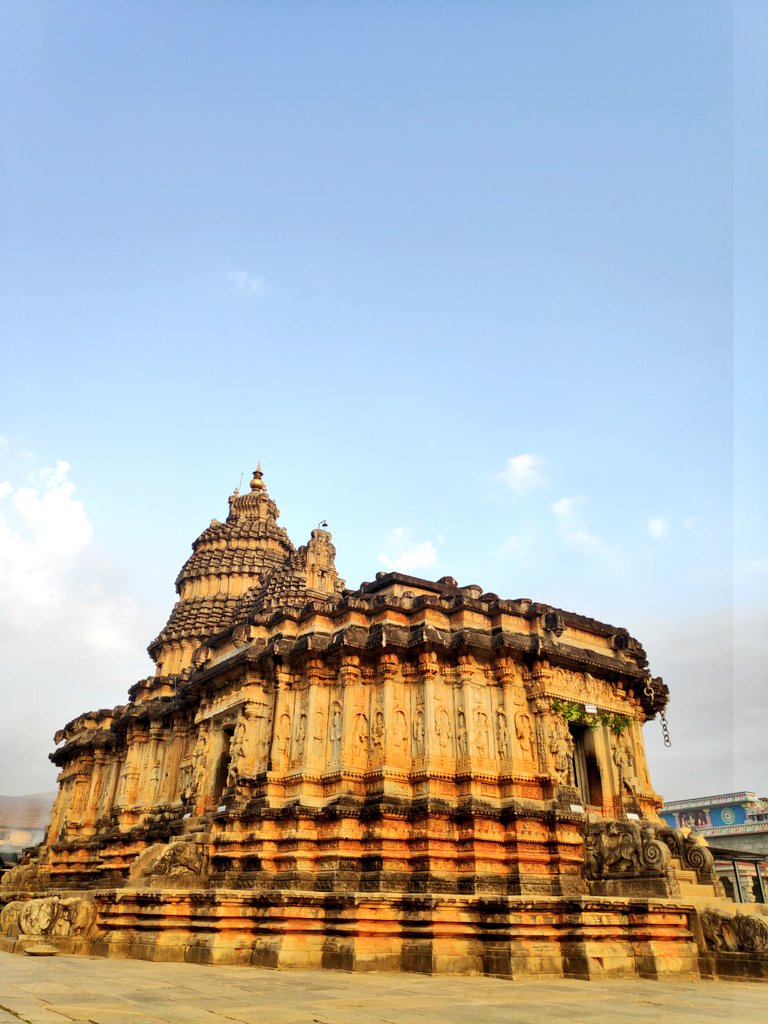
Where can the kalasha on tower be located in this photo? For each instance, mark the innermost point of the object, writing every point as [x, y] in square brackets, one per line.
[412, 775]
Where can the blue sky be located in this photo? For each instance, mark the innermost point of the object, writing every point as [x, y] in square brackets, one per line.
[480, 284]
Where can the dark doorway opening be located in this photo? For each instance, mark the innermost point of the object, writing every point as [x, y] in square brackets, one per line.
[586, 773]
[222, 768]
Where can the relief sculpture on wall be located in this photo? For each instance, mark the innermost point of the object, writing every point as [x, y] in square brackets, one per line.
[336, 731]
[443, 730]
[524, 733]
[561, 749]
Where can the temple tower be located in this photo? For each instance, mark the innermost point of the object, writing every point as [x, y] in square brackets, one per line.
[227, 560]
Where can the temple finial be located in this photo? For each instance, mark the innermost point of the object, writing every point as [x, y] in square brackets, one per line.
[257, 483]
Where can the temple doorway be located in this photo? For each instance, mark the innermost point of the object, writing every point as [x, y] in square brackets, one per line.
[586, 773]
[222, 766]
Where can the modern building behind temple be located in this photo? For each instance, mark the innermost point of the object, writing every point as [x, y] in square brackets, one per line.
[365, 778]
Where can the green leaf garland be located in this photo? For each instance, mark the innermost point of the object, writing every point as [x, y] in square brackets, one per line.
[574, 712]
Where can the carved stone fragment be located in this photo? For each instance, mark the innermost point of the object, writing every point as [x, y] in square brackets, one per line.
[734, 933]
[178, 859]
[692, 851]
[623, 849]
[49, 916]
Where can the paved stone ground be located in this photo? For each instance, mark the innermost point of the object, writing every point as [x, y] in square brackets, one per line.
[54, 990]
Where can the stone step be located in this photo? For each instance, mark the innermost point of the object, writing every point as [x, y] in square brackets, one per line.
[684, 875]
[688, 889]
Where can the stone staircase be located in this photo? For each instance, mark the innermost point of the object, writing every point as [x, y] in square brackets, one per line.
[691, 890]
[194, 828]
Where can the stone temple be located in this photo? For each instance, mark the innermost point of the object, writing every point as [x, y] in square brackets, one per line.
[412, 775]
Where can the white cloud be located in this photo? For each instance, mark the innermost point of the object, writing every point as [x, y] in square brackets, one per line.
[657, 527]
[46, 530]
[44, 534]
[407, 555]
[70, 640]
[515, 543]
[571, 526]
[3, 441]
[245, 282]
[523, 473]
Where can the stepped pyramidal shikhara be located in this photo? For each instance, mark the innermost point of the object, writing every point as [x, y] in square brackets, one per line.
[412, 775]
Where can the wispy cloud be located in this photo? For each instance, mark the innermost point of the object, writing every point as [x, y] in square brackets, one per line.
[523, 473]
[571, 526]
[44, 535]
[252, 284]
[63, 601]
[695, 526]
[46, 531]
[515, 543]
[657, 527]
[407, 555]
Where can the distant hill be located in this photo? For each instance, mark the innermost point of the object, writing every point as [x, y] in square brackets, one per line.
[33, 810]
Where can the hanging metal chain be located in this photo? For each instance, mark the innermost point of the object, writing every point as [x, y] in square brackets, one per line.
[651, 695]
[665, 729]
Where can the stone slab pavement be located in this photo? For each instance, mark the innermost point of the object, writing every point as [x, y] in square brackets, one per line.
[55, 990]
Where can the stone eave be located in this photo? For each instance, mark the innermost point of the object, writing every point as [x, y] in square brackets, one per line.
[422, 634]
[95, 738]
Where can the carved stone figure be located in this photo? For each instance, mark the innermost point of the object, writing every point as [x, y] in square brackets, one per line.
[179, 859]
[186, 782]
[418, 733]
[9, 917]
[621, 849]
[561, 748]
[122, 786]
[734, 933]
[241, 635]
[502, 735]
[360, 738]
[377, 730]
[461, 734]
[50, 916]
[23, 876]
[318, 732]
[624, 760]
[236, 753]
[237, 748]
[401, 729]
[443, 730]
[201, 761]
[301, 736]
[283, 739]
[201, 656]
[336, 724]
[79, 916]
[524, 732]
[481, 733]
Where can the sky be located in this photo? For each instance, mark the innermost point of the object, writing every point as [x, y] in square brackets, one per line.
[481, 284]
